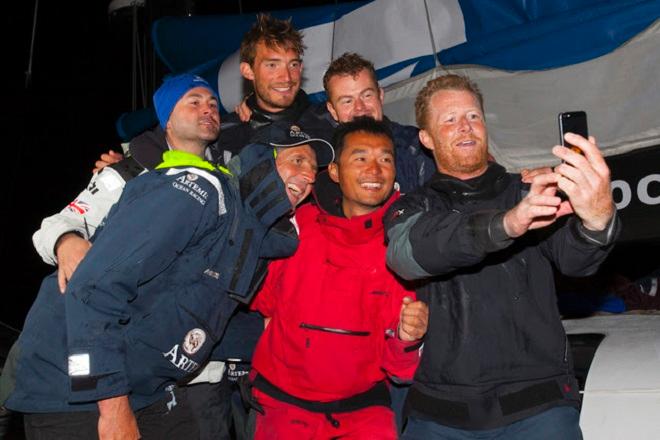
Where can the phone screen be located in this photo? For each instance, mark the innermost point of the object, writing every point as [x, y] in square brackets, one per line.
[573, 122]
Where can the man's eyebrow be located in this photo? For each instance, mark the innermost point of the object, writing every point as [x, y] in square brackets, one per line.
[282, 59]
[379, 150]
[368, 89]
[358, 151]
[305, 157]
[201, 96]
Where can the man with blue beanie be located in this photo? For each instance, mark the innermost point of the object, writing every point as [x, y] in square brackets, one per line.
[144, 309]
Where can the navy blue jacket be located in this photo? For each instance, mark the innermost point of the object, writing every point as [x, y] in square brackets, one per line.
[154, 294]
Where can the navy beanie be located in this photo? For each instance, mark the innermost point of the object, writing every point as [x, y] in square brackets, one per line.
[173, 89]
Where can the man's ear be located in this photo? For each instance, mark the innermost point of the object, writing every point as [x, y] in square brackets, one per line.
[332, 110]
[426, 139]
[333, 172]
[381, 94]
[246, 71]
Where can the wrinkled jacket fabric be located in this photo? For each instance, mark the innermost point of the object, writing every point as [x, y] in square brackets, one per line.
[494, 324]
[335, 310]
[153, 296]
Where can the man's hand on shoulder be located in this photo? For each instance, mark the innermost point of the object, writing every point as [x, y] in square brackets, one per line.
[116, 420]
[70, 249]
[413, 320]
[243, 111]
[107, 159]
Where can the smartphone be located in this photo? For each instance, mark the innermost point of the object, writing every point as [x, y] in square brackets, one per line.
[573, 122]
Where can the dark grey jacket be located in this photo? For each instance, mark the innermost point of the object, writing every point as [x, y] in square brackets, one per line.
[495, 351]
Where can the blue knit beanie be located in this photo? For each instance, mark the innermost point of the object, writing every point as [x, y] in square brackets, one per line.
[173, 89]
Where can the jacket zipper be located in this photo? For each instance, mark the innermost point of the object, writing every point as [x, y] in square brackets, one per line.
[339, 331]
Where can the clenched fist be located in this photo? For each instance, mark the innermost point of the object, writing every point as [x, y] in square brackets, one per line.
[413, 319]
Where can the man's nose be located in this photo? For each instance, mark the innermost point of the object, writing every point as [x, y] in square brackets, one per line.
[359, 105]
[373, 167]
[464, 125]
[207, 108]
[285, 74]
[309, 173]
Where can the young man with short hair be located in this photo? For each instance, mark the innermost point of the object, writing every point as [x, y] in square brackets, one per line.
[271, 60]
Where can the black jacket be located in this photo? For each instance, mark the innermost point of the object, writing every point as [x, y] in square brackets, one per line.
[495, 351]
[235, 134]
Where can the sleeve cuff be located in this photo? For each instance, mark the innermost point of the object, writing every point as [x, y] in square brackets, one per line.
[488, 229]
[601, 238]
[90, 380]
[94, 388]
[496, 230]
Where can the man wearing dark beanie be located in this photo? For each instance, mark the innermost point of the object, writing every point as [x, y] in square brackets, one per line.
[152, 297]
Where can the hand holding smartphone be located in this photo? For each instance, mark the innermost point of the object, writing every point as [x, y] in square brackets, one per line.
[573, 122]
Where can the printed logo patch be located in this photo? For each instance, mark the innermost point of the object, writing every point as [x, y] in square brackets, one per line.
[180, 360]
[78, 206]
[194, 340]
[397, 213]
[92, 188]
[187, 184]
[296, 132]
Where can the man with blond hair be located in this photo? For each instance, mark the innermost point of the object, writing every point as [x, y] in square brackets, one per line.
[496, 361]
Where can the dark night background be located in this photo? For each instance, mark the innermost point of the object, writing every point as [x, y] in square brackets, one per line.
[57, 126]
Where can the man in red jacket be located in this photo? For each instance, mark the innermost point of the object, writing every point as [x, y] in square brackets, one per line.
[339, 321]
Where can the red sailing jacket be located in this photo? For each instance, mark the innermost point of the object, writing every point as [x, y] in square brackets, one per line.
[335, 310]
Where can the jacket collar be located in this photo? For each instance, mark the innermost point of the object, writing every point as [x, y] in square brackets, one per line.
[486, 186]
[356, 230]
[261, 117]
[178, 158]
